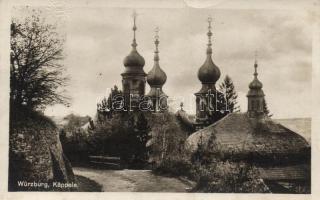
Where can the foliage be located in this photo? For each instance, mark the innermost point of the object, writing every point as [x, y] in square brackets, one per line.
[266, 110]
[105, 109]
[74, 122]
[133, 138]
[20, 118]
[138, 137]
[227, 177]
[75, 146]
[167, 137]
[227, 87]
[210, 172]
[206, 154]
[74, 139]
[124, 135]
[216, 176]
[175, 167]
[36, 72]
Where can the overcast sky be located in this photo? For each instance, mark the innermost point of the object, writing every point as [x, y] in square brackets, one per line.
[98, 39]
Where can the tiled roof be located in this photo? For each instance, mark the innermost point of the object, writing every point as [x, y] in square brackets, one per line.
[236, 132]
[302, 126]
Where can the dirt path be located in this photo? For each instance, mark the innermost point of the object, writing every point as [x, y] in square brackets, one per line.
[133, 180]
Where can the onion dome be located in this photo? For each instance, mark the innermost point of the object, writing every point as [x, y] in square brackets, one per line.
[134, 59]
[255, 84]
[209, 73]
[134, 62]
[156, 76]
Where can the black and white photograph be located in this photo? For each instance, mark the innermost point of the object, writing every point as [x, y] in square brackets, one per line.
[160, 99]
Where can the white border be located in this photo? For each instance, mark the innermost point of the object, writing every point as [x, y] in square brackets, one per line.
[5, 7]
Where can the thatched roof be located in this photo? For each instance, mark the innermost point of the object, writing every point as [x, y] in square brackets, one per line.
[237, 133]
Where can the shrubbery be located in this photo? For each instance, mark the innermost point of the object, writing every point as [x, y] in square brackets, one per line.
[229, 177]
[175, 167]
[211, 172]
[218, 176]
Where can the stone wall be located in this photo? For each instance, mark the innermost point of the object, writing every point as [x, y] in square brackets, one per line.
[35, 154]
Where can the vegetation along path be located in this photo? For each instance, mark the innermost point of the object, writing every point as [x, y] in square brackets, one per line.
[133, 180]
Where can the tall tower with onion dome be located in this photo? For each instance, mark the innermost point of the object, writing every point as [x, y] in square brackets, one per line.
[156, 78]
[206, 98]
[133, 77]
[255, 95]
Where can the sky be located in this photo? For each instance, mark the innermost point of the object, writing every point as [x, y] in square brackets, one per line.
[98, 39]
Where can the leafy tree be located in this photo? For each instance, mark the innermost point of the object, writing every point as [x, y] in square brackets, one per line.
[141, 133]
[266, 110]
[74, 123]
[227, 87]
[36, 71]
[105, 107]
[167, 138]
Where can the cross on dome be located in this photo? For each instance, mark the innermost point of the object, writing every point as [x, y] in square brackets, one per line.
[134, 28]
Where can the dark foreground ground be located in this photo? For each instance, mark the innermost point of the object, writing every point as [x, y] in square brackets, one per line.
[129, 181]
[87, 185]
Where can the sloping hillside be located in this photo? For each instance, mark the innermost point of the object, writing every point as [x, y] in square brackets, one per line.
[301, 126]
[35, 153]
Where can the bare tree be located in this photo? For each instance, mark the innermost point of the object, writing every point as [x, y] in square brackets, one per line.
[36, 71]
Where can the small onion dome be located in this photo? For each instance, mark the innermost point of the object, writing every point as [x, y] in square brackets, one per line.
[156, 76]
[255, 84]
[134, 59]
[209, 72]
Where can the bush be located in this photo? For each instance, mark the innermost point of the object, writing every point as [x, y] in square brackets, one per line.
[174, 167]
[217, 176]
[229, 177]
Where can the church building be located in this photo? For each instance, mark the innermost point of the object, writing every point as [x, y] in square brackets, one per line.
[133, 77]
[281, 156]
[156, 78]
[208, 98]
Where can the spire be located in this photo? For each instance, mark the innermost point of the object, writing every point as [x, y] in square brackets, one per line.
[156, 42]
[134, 28]
[255, 84]
[209, 34]
[255, 94]
[209, 73]
[156, 76]
[181, 106]
[255, 64]
[134, 61]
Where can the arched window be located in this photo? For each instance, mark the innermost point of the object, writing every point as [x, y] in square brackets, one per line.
[253, 105]
[258, 106]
